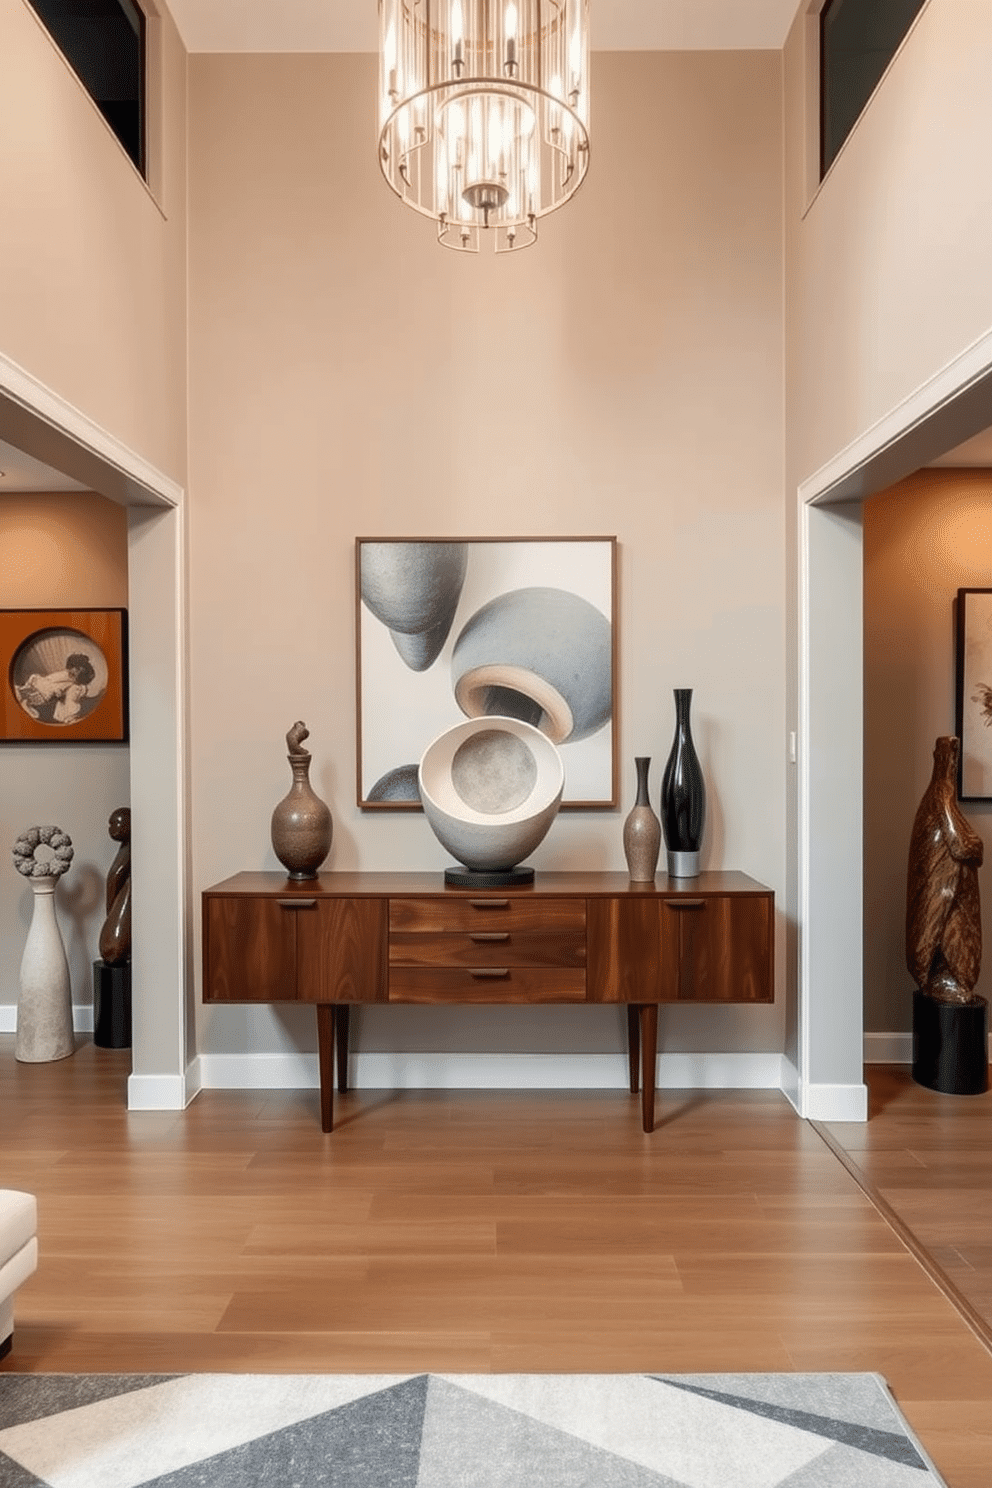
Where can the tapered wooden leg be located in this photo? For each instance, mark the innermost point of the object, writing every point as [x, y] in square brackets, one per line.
[325, 1053]
[649, 1063]
[634, 1046]
[342, 1022]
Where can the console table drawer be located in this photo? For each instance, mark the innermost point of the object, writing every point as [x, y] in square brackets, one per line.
[486, 912]
[486, 983]
[479, 947]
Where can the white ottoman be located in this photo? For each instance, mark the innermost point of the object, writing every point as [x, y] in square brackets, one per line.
[18, 1254]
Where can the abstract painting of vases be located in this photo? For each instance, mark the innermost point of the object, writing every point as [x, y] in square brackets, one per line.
[477, 628]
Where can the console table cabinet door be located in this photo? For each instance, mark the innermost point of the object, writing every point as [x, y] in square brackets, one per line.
[633, 953]
[341, 952]
[249, 948]
[725, 947]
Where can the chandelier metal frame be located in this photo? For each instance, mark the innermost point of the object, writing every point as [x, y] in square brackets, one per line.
[484, 112]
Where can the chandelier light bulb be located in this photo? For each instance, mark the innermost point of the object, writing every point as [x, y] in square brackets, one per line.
[484, 112]
[511, 39]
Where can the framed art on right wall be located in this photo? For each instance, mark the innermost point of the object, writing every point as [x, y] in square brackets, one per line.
[974, 693]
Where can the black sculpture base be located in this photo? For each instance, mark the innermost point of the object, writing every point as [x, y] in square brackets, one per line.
[112, 1005]
[951, 1045]
[488, 878]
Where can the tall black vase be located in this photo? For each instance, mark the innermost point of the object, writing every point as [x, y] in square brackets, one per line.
[683, 795]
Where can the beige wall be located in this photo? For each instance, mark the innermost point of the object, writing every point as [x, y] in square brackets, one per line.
[348, 377]
[65, 550]
[924, 539]
[92, 293]
[887, 262]
[886, 284]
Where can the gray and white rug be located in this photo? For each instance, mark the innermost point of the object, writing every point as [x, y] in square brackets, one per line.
[456, 1431]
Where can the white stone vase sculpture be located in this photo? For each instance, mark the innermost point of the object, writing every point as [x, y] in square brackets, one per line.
[44, 1008]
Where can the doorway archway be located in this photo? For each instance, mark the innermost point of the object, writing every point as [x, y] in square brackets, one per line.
[952, 407]
[38, 421]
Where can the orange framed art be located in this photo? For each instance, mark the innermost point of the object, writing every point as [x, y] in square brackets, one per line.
[64, 676]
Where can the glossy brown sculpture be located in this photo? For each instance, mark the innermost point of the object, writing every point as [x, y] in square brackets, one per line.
[115, 937]
[943, 912]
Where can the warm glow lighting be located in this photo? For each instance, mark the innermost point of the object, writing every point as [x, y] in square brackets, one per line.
[477, 129]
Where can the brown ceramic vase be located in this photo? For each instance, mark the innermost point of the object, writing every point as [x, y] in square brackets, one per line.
[301, 823]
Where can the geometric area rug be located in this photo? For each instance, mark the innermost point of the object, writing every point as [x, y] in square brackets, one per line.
[456, 1431]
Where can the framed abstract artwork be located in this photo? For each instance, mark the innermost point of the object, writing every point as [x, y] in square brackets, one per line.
[456, 628]
[64, 676]
[974, 693]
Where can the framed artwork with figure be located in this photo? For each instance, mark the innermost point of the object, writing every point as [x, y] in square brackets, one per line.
[456, 628]
[974, 693]
[64, 676]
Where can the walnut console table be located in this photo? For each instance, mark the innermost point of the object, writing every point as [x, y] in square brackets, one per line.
[349, 938]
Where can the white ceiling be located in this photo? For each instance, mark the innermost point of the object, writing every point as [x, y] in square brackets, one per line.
[350, 25]
[19, 472]
[972, 453]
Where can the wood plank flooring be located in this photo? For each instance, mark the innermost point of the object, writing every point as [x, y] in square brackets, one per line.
[462, 1231]
[928, 1157]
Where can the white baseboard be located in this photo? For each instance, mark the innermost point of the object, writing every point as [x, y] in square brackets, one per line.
[82, 1017]
[158, 1093]
[833, 1102]
[888, 1048]
[491, 1071]
[823, 1102]
[791, 1083]
[894, 1048]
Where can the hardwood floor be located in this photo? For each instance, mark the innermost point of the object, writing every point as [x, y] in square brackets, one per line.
[927, 1158]
[463, 1231]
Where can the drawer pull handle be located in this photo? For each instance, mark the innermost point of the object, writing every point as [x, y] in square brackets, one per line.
[489, 973]
[488, 935]
[686, 903]
[297, 903]
[489, 903]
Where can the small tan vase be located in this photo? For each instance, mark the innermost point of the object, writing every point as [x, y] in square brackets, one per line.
[642, 831]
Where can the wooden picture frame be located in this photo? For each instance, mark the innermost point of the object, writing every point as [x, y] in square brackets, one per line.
[449, 628]
[64, 677]
[974, 693]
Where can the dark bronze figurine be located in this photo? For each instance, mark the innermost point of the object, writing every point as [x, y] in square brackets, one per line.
[115, 937]
[943, 912]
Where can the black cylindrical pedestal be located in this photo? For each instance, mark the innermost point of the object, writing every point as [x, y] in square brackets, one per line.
[951, 1045]
[112, 1005]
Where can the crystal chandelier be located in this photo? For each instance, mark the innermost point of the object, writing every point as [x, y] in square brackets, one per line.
[484, 112]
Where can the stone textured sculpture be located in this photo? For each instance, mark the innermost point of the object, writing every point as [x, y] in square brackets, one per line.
[44, 1008]
[490, 789]
[115, 937]
[943, 911]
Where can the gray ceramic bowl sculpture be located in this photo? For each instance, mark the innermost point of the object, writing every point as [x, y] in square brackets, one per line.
[542, 655]
[490, 789]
